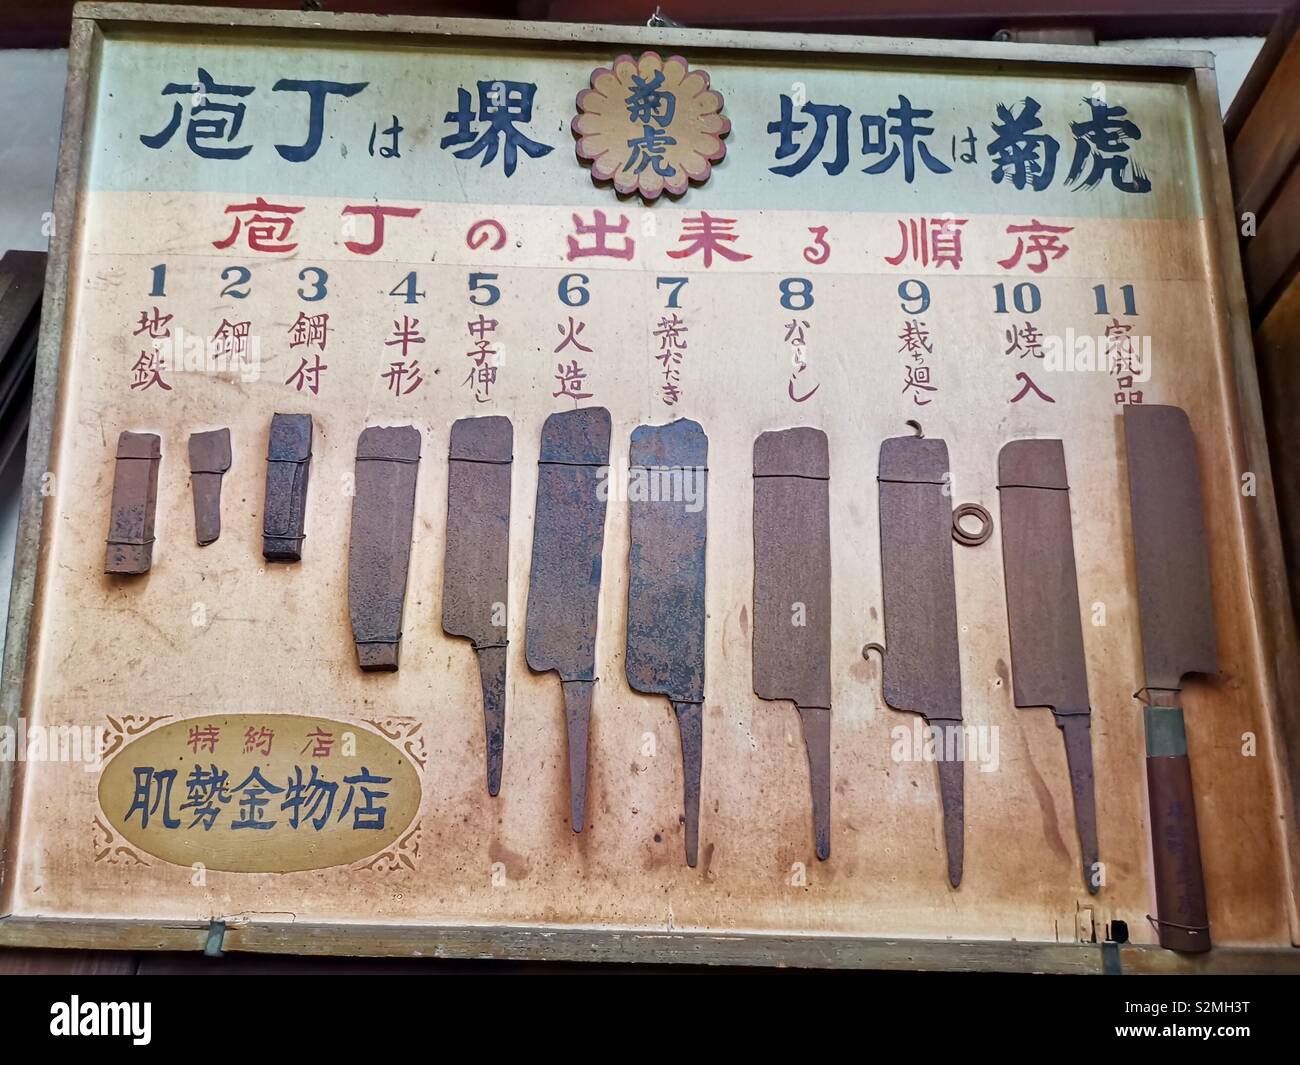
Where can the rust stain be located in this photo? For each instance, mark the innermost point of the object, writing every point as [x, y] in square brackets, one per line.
[1047, 805]
[517, 867]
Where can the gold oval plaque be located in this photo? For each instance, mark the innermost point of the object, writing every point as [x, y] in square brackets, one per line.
[260, 793]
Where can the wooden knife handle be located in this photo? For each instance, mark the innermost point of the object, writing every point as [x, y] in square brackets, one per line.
[1182, 920]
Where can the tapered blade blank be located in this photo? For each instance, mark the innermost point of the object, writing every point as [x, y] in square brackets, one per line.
[792, 595]
[667, 520]
[1048, 667]
[379, 548]
[921, 669]
[564, 585]
[475, 589]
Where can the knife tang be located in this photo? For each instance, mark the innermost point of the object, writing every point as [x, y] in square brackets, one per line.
[690, 727]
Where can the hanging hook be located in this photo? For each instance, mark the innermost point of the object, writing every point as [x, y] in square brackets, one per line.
[916, 426]
[659, 19]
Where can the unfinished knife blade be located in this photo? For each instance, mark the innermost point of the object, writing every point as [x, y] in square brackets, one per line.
[209, 460]
[667, 469]
[475, 588]
[792, 595]
[134, 502]
[379, 547]
[920, 665]
[1178, 638]
[1048, 667]
[564, 586]
[288, 461]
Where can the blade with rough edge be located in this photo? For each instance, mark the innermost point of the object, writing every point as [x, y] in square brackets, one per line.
[920, 665]
[564, 582]
[475, 589]
[792, 595]
[379, 544]
[667, 471]
[1048, 667]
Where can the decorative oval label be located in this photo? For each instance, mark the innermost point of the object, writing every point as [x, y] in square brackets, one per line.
[260, 793]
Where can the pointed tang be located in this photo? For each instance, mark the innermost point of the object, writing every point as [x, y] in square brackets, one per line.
[1178, 638]
[476, 565]
[792, 595]
[667, 468]
[1048, 667]
[379, 547]
[564, 585]
[921, 668]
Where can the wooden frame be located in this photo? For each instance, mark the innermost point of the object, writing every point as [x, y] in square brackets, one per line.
[1262, 559]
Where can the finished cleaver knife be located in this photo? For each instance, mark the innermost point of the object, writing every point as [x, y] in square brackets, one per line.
[667, 466]
[792, 595]
[1177, 623]
[1048, 667]
[564, 586]
[379, 549]
[475, 585]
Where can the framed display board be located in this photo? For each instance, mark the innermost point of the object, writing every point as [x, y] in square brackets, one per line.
[385, 222]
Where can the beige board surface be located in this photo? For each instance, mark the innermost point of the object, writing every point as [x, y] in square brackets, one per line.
[216, 631]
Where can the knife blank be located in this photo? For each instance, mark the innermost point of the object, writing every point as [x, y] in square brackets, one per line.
[1048, 667]
[475, 587]
[379, 548]
[288, 462]
[134, 503]
[564, 585]
[667, 467]
[920, 663]
[792, 595]
[209, 460]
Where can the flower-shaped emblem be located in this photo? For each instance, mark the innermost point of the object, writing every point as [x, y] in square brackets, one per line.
[650, 125]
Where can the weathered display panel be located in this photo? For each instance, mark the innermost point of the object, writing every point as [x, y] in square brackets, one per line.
[381, 222]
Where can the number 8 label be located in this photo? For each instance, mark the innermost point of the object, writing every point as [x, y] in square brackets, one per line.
[796, 293]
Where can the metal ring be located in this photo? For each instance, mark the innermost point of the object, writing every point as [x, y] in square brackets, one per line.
[967, 510]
